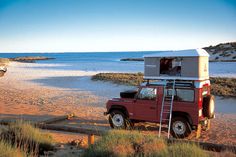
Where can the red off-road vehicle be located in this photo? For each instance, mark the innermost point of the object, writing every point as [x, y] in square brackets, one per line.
[192, 106]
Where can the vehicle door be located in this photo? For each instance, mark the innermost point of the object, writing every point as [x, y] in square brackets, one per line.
[145, 105]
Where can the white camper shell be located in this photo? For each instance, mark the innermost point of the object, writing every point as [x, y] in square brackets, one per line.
[183, 65]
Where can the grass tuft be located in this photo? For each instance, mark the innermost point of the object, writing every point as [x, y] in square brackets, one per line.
[26, 137]
[7, 150]
[119, 143]
[186, 149]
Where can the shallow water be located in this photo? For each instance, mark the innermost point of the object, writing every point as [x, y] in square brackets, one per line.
[98, 62]
[108, 90]
[110, 61]
[225, 105]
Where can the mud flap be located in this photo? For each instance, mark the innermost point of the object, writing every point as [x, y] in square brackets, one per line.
[198, 131]
[208, 125]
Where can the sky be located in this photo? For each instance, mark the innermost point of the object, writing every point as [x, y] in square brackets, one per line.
[114, 25]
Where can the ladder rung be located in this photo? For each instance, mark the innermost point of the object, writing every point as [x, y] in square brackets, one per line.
[166, 112]
[167, 104]
[165, 119]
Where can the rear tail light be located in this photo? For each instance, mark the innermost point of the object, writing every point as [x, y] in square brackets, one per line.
[200, 113]
[200, 98]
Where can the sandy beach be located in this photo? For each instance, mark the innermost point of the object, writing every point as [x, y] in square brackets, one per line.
[28, 92]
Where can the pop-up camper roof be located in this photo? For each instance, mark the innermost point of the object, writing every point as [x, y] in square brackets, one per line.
[180, 53]
[183, 65]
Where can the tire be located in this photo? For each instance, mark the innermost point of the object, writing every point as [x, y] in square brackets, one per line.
[180, 127]
[118, 120]
[208, 106]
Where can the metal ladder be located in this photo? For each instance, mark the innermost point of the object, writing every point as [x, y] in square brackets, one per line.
[167, 105]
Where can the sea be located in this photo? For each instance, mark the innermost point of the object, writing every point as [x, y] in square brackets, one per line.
[110, 62]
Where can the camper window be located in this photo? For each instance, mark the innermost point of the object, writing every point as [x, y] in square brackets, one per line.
[170, 67]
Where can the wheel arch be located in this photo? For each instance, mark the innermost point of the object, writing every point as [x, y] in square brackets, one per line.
[184, 115]
[120, 108]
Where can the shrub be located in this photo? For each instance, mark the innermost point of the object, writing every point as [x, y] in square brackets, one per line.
[30, 139]
[223, 86]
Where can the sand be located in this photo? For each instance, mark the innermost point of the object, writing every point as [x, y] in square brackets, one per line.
[26, 94]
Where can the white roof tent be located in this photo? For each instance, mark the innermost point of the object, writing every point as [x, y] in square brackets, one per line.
[181, 53]
[180, 65]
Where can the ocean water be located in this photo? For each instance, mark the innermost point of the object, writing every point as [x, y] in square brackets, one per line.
[110, 61]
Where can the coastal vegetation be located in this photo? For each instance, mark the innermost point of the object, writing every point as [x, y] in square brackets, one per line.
[21, 139]
[219, 86]
[222, 52]
[132, 59]
[119, 143]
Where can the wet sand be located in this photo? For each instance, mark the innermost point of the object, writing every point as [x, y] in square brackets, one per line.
[25, 93]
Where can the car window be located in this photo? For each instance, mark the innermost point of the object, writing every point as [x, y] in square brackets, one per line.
[182, 94]
[185, 95]
[147, 94]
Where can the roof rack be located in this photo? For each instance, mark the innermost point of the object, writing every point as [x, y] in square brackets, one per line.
[169, 82]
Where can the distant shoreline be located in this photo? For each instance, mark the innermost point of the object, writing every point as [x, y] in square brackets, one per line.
[30, 59]
[27, 59]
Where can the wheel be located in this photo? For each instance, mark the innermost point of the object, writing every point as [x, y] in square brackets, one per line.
[208, 106]
[180, 127]
[118, 120]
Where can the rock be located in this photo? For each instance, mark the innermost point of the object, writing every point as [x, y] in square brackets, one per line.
[80, 143]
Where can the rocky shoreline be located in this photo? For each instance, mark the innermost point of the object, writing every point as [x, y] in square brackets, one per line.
[219, 86]
[29, 59]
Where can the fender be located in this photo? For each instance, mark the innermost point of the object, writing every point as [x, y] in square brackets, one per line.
[118, 107]
[183, 114]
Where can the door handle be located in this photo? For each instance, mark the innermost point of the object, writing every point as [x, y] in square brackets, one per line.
[152, 108]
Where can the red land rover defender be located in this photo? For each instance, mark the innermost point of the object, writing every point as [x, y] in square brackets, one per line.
[193, 106]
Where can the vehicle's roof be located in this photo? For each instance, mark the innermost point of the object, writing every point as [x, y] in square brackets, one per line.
[180, 53]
